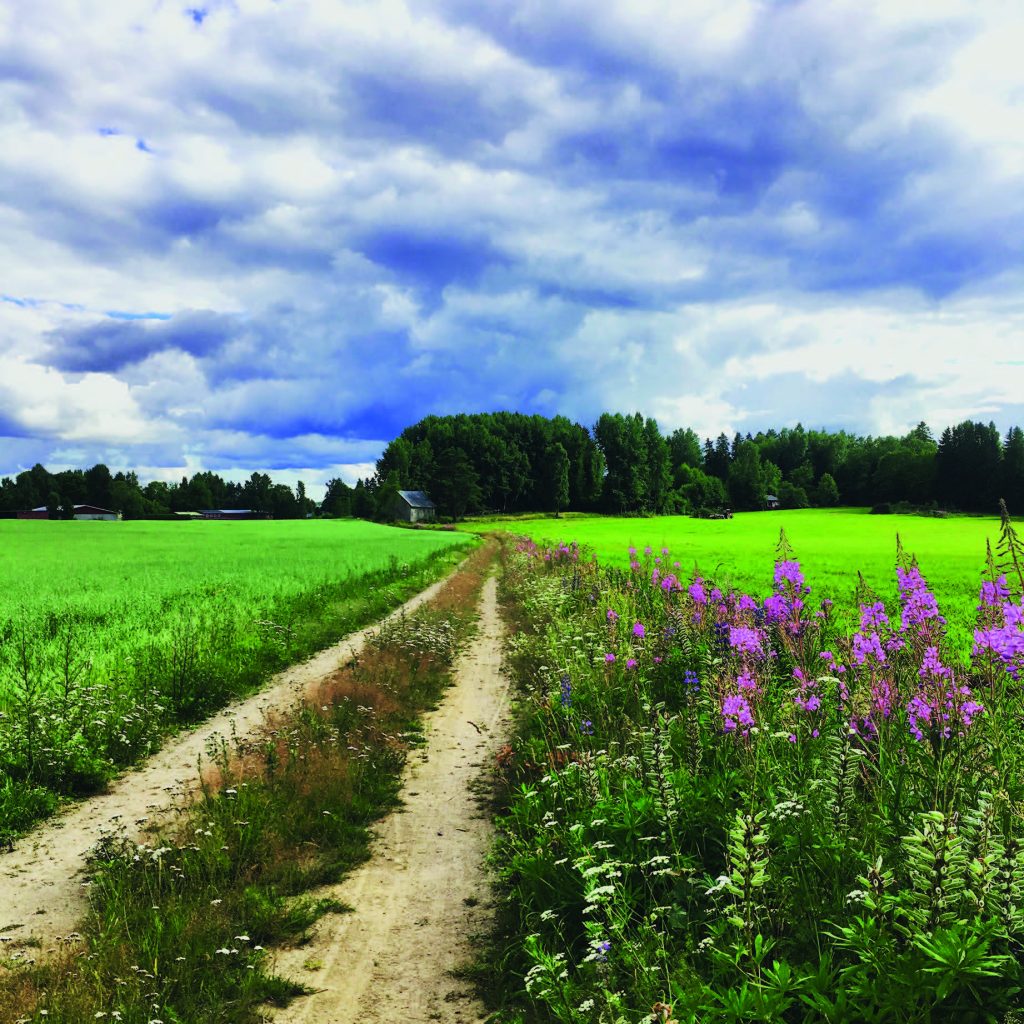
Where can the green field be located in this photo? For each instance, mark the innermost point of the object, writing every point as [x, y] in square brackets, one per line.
[103, 569]
[831, 544]
[111, 634]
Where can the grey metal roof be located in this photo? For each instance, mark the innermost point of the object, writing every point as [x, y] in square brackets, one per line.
[416, 499]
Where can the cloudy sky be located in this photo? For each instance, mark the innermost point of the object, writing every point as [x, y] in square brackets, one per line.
[268, 234]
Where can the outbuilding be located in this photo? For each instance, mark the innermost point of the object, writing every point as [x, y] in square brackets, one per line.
[232, 513]
[80, 512]
[413, 507]
[92, 512]
[771, 501]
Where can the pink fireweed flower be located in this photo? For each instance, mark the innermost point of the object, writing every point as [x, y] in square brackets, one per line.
[868, 646]
[872, 616]
[736, 715]
[829, 658]
[776, 608]
[789, 577]
[632, 552]
[940, 704]
[920, 609]
[807, 698]
[609, 658]
[647, 550]
[745, 681]
[696, 592]
[638, 630]
[882, 697]
[932, 667]
[993, 593]
[1005, 643]
[631, 663]
[746, 603]
[920, 715]
[612, 615]
[1001, 635]
[747, 641]
[664, 551]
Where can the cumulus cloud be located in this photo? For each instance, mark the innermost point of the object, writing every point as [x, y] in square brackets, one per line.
[265, 236]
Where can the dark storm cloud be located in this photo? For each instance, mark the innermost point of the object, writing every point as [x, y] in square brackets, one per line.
[114, 343]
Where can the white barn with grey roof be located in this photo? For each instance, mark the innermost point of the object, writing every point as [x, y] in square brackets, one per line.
[414, 507]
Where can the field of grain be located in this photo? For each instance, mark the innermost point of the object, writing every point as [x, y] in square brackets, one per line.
[111, 634]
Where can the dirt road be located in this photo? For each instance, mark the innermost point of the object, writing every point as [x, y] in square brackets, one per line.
[421, 897]
[41, 886]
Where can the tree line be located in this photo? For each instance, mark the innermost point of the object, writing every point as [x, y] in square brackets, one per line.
[511, 462]
[122, 492]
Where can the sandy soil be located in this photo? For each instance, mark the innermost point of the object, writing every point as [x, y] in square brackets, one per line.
[423, 894]
[42, 890]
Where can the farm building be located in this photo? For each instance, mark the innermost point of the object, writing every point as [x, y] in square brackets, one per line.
[413, 507]
[80, 512]
[771, 501]
[232, 513]
[89, 512]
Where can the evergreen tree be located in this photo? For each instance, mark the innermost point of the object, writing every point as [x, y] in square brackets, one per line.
[386, 498]
[457, 487]
[827, 493]
[1012, 471]
[337, 498]
[556, 473]
[746, 481]
[684, 450]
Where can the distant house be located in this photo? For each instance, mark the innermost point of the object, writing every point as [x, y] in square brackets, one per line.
[80, 512]
[413, 507]
[233, 513]
[771, 501]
